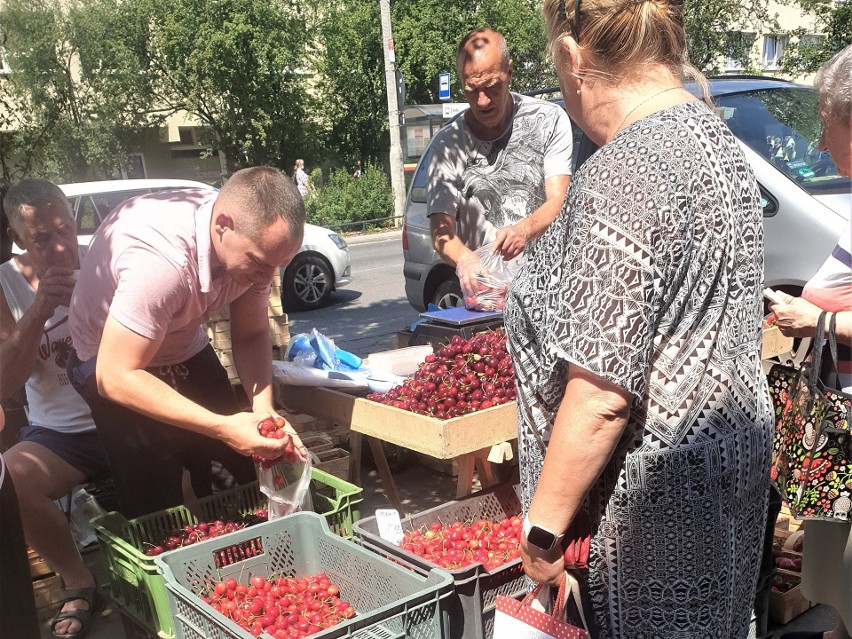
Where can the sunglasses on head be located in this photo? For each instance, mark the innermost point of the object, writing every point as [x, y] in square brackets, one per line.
[575, 26]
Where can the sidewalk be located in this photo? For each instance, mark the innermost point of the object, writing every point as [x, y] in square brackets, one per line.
[378, 236]
[419, 489]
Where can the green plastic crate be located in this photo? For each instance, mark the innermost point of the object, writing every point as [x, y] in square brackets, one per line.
[135, 584]
[390, 602]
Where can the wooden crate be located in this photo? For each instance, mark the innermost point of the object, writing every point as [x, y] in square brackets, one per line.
[47, 590]
[38, 566]
[442, 439]
[334, 461]
[793, 523]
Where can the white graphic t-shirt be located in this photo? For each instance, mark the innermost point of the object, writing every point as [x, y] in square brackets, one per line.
[489, 184]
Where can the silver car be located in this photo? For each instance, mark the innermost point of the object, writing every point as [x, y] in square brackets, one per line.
[321, 265]
[805, 201]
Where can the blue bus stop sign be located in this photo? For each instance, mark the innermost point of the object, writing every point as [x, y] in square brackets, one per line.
[443, 86]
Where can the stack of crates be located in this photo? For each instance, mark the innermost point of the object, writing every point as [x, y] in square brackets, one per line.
[135, 584]
[390, 602]
[219, 330]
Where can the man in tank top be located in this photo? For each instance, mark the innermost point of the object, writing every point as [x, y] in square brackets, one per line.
[60, 448]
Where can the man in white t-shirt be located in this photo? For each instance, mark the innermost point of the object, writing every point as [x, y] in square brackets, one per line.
[60, 447]
[500, 172]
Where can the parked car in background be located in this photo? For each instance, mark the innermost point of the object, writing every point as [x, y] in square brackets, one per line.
[805, 201]
[321, 265]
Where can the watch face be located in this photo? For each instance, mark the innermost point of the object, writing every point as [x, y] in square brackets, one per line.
[541, 538]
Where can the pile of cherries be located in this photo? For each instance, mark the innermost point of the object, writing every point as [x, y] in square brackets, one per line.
[274, 429]
[202, 531]
[283, 607]
[460, 378]
[490, 543]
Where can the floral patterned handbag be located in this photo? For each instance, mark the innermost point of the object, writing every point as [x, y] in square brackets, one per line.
[812, 445]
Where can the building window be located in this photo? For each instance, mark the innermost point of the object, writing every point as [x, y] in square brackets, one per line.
[813, 42]
[738, 50]
[773, 49]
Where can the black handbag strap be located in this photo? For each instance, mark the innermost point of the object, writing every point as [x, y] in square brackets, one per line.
[816, 364]
[832, 341]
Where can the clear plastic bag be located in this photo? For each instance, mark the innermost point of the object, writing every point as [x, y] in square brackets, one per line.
[489, 283]
[287, 487]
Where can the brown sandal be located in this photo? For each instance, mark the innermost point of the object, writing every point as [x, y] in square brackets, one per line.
[84, 617]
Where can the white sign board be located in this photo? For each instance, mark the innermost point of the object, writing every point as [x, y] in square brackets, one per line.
[443, 86]
[449, 109]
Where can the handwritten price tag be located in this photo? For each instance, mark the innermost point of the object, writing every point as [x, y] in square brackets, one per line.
[390, 526]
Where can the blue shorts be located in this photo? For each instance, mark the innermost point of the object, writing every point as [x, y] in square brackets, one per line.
[83, 451]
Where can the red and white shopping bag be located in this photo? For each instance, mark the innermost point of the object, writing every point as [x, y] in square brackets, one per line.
[515, 619]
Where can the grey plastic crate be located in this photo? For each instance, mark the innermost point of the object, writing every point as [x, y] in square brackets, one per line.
[390, 602]
[472, 607]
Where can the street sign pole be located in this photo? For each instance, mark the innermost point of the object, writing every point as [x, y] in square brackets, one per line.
[396, 165]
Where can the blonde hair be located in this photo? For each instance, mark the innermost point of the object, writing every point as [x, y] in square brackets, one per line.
[300, 164]
[621, 36]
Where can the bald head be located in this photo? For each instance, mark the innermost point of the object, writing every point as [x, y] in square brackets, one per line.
[480, 44]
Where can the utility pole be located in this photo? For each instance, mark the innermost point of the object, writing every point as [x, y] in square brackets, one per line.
[394, 113]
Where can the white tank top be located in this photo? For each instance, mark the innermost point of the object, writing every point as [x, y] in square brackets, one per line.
[53, 402]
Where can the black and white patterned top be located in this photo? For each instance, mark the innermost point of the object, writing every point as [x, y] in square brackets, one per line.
[651, 278]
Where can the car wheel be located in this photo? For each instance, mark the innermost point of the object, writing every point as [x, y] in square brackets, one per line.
[307, 283]
[448, 295]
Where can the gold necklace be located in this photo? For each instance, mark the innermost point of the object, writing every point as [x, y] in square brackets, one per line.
[646, 100]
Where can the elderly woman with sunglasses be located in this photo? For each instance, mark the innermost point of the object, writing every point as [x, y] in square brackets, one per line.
[635, 335]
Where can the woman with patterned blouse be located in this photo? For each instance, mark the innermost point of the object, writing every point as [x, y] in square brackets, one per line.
[635, 333]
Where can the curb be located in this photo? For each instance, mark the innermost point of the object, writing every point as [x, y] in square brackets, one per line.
[374, 237]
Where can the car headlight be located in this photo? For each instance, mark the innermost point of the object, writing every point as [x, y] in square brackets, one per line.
[339, 242]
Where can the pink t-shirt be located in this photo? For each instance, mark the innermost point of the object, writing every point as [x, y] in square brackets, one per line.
[151, 266]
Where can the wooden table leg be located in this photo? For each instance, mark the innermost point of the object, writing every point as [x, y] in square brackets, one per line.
[465, 480]
[385, 472]
[355, 458]
[484, 469]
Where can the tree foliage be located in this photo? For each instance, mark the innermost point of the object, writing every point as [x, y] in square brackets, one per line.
[834, 21]
[351, 80]
[715, 29]
[238, 66]
[76, 102]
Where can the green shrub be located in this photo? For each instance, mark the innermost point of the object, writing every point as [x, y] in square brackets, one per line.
[346, 199]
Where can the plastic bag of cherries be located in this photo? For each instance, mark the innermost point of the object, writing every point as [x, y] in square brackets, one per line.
[286, 480]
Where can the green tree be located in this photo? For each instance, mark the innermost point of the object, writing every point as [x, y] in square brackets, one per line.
[76, 100]
[716, 29]
[427, 34]
[833, 22]
[350, 67]
[238, 66]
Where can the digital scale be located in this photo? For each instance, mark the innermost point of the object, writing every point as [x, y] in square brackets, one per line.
[439, 327]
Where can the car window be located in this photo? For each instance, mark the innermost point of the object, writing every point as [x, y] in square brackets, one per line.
[783, 125]
[87, 216]
[418, 184]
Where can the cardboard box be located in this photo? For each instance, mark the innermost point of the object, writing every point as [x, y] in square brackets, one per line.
[774, 343]
[786, 606]
[440, 439]
[334, 461]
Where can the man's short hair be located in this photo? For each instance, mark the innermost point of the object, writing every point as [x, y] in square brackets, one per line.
[30, 192]
[263, 194]
[479, 39]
